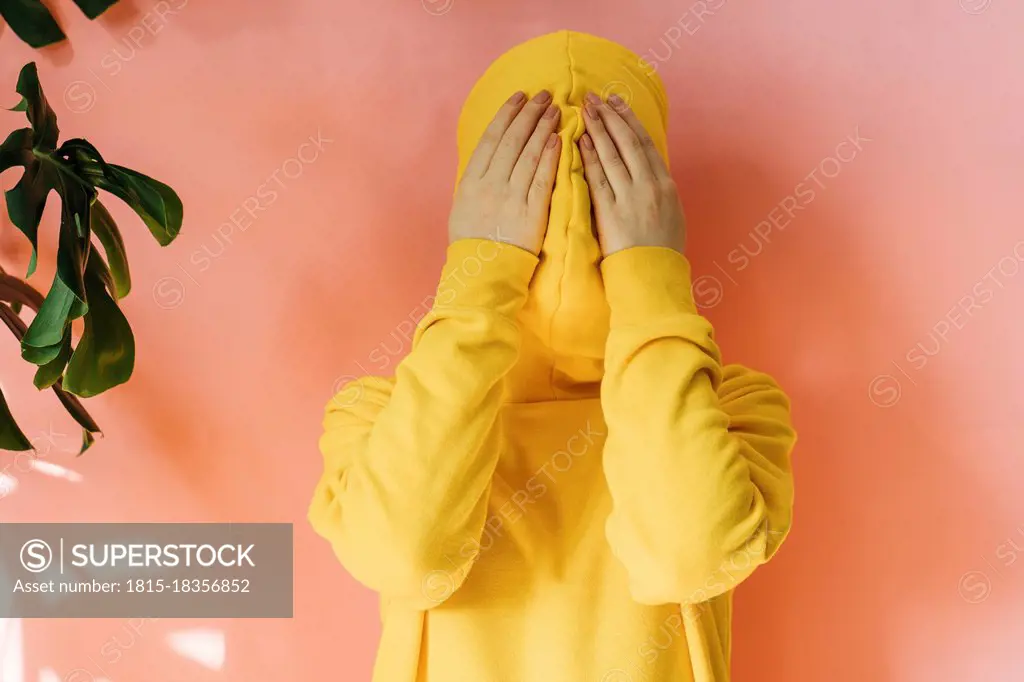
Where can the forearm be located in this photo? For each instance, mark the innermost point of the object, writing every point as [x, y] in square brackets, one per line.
[432, 453]
[685, 502]
[415, 490]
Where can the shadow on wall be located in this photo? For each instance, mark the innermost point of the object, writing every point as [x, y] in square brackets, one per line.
[134, 26]
[874, 514]
[886, 507]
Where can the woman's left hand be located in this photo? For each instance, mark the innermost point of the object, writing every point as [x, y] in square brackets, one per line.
[635, 200]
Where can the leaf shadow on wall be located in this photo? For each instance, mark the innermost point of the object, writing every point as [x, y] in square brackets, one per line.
[58, 54]
[873, 503]
[121, 16]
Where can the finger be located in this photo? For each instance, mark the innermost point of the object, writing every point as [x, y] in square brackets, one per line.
[626, 141]
[517, 135]
[491, 138]
[646, 141]
[601, 193]
[612, 164]
[526, 167]
[539, 197]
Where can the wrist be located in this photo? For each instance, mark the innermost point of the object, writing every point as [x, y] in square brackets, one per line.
[613, 247]
[616, 240]
[647, 282]
[485, 273]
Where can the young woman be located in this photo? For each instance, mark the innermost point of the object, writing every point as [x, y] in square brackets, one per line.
[562, 482]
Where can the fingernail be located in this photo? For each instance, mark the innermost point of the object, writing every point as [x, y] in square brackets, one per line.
[591, 110]
[587, 142]
[542, 97]
[616, 101]
[593, 99]
[551, 112]
[517, 98]
[552, 141]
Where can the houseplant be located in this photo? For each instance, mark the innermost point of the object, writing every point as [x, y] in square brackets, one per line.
[88, 283]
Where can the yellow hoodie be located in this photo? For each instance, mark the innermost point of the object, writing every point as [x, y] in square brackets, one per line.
[562, 482]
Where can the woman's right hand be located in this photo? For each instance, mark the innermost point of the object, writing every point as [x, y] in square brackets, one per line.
[505, 191]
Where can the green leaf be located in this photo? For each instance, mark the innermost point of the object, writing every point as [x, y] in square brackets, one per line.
[16, 150]
[25, 204]
[157, 204]
[31, 148]
[105, 356]
[43, 341]
[45, 335]
[18, 293]
[66, 299]
[94, 8]
[31, 21]
[40, 115]
[87, 441]
[103, 271]
[15, 289]
[104, 227]
[11, 437]
[47, 375]
[74, 241]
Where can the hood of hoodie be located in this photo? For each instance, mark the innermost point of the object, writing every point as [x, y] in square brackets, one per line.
[564, 321]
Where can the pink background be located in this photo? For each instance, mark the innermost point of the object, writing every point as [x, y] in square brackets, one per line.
[907, 557]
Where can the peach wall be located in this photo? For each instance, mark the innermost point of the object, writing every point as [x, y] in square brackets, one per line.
[889, 304]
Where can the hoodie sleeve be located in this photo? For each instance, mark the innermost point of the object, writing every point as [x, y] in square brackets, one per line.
[408, 461]
[698, 456]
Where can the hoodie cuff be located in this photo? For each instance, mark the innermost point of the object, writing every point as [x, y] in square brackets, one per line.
[483, 273]
[646, 283]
